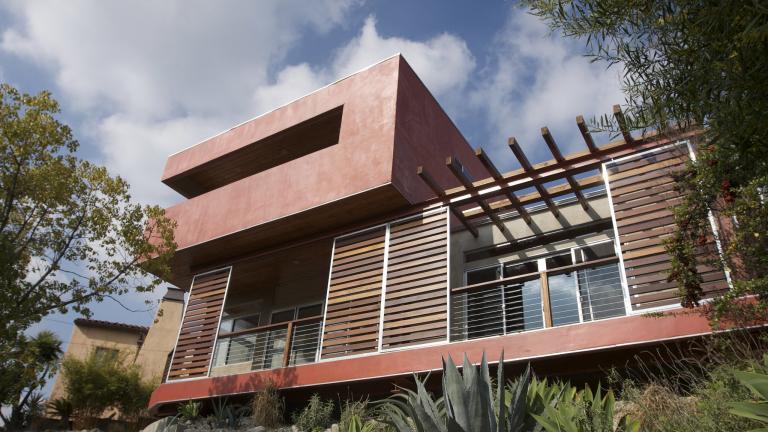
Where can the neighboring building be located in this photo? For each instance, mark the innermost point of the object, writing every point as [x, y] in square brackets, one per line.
[353, 236]
[148, 347]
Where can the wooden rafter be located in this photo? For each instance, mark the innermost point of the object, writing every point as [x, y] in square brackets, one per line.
[430, 181]
[585, 134]
[559, 158]
[491, 168]
[528, 168]
[619, 116]
[457, 169]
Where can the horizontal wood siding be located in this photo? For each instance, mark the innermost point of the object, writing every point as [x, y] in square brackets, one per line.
[643, 194]
[415, 305]
[354, 295]
[194, 347]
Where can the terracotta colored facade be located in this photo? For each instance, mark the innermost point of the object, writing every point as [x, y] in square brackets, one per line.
[354, 236]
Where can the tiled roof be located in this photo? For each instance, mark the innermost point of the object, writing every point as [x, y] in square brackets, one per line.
[111, 325]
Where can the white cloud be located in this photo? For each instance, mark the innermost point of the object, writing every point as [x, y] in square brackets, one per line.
[443, 62]
[151, 78]
[540, 79]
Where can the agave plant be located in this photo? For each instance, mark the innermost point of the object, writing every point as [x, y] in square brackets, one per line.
[758, 383]
[585, 412]
[469, 403]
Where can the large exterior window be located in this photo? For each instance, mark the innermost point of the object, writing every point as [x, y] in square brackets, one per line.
[567, 287]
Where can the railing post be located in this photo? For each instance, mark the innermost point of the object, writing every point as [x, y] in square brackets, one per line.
[287, 348]
[545, 302]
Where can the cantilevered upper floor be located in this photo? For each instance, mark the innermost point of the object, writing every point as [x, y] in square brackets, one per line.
[342, 154]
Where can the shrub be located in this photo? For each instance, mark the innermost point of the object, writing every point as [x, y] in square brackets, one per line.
[226, 415]
[267, 407]
[103, 382]
[189, 410]
[758, 383]
[62, 408]
[318, 414]
[351, 412]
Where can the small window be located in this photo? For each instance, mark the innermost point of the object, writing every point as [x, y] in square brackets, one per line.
[309, 311]
[595, 252]
[246, 322]
[483, 275]
[282, 316]
[106, 354]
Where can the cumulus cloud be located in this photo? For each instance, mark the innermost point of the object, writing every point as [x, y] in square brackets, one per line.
[540, 79]
[151, 78]
[443, 62]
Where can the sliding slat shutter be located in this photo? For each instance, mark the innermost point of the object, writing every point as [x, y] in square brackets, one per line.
[194, 348]
[416, 303]
[354, 295]
[643, 194]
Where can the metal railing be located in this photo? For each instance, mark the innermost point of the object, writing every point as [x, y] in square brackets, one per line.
[566, 295]
[271, 346]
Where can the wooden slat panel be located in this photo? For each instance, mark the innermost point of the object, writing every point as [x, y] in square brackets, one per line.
[354, 295]
[194, 346]
[415, 306]
[643, 193]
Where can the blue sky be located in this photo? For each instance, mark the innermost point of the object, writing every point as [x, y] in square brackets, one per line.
[140, 80]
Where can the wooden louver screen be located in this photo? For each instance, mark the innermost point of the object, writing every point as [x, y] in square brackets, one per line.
[194, 347]
[354, 295]
[416, 303]
[643, 193]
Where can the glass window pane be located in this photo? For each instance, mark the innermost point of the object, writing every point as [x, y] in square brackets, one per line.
[282, 316]
[522, 306]
[601, 292]
[562, 297]
[482, 275]
[558, 261]
[309, 311]
[246, 322]
[598, 251]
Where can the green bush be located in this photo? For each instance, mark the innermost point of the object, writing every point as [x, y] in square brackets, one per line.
[758, 383]
[267, 407]
[586, 412]
[352, 412]
[318, 414]
[189, 410]
[100, 382]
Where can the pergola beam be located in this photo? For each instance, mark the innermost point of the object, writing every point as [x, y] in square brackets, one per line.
[528, 168]
[430, 181]
[491, 168]
[457, 169]
[622, 121]
[585, 134]
[559, 158]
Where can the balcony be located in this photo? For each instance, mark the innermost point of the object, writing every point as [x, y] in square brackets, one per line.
[283, 344]
[580, 286]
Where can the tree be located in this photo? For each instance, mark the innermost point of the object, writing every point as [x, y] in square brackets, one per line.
[101, 382]
[695, 64]
[32, 363]
[70, 234]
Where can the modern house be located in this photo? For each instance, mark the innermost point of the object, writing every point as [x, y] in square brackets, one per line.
[353, 236]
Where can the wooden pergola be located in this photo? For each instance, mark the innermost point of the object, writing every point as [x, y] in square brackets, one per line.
[501, 192]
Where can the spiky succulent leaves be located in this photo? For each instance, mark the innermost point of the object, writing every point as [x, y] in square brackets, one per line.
[501, 407]
[758, 383]
[426, 410]
[518, 407]
[397, 412]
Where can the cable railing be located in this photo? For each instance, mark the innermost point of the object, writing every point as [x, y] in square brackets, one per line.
[270, 346]
[566, 295]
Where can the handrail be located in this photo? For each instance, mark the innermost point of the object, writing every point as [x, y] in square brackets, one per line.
[534, 275]
[269, 326]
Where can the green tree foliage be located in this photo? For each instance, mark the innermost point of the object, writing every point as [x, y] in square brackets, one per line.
[31, 363]
[694, 64]
[101, 382]
[69, 232]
